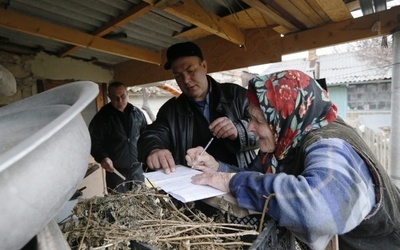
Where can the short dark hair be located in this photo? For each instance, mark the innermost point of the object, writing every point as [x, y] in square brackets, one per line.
[180, 50]
[115, 85]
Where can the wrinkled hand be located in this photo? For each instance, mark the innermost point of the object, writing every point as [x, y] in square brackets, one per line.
[161, 159]
[107, 164]
[218, 180]
[205, 162]
[223, 128]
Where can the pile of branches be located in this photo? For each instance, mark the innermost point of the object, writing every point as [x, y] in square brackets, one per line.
[146, 219]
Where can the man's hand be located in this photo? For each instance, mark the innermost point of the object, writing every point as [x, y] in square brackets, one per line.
[223, 128]
[217, 180]
[107, 164]
[203, 162]
[161, 159]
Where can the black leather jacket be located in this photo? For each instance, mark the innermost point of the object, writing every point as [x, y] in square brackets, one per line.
[113, 138]
[173, 128]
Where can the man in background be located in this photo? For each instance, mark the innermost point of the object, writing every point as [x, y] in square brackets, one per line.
[114, 132]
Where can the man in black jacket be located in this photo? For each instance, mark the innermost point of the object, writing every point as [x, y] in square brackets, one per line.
[114, 132]
[205, 109]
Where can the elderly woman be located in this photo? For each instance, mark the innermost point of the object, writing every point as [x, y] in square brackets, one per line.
[321, 177]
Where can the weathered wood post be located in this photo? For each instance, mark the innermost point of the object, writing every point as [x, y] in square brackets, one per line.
[394, 160]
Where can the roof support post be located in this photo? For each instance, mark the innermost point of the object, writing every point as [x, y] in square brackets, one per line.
[394, 160]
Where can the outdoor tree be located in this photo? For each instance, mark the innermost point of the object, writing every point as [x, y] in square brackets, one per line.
[378, 51]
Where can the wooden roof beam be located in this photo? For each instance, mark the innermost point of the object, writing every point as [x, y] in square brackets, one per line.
[263, 47]
[266, 10]
[36, 27]
[342, 32]
[336, 10]
[240, 18]
[128, 16]
[193, 13]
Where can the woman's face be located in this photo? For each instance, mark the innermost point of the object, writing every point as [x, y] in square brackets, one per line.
[259, 126]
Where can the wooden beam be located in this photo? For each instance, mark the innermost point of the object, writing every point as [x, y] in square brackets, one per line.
[263, 46]
[135, 12]
[265, 10]
[314, 5]
[193, 13]
[290, 13]
[244, 19]
[36, 27]
[342, 32]
[336, 10]
[132, 14]
[352, 6]
[305, 8]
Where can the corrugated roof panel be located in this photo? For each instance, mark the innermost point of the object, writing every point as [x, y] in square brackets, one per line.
[154, 30]
[58, 14]
[147, 32]
[337, 68]
[349, 67]
[33, 42]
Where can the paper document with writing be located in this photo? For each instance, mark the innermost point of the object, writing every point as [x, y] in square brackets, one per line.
[179, 184]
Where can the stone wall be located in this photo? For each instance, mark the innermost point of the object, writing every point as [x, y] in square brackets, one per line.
[27, 70]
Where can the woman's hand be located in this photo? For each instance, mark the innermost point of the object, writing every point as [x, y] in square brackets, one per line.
[205, 162]
[218, 180]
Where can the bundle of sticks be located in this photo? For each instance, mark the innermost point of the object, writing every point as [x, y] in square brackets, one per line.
[151, 219]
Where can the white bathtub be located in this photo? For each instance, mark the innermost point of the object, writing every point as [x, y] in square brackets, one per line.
[44, 154]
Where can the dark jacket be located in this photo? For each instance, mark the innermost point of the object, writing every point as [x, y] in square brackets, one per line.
[381, 228]
[115, 134]
[174, 126]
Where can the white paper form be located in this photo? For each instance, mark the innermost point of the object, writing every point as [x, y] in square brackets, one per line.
[179, 184]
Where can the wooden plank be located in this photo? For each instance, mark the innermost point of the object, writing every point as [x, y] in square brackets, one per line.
[193, 34]
[132, 14]
[336, 10]
[342, 32]
[128, 16]
[294, 13]
[13, 20]
[249, 19]
[309, 11]
[195, 14]
[352, 6]
[281, 30]
[245, 19]
[265, 10]
[263, 46]
[314, 5]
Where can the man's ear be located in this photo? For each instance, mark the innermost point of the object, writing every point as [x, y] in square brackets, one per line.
[204, 65]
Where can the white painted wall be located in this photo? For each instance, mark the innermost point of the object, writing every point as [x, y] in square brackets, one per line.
[28, 69]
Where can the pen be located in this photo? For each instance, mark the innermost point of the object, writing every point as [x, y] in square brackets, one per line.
[208, 144]
[204, 150]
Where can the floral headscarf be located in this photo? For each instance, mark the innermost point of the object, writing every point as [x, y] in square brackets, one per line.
[293, 104]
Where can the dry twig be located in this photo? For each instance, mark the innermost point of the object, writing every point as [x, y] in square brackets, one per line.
[146, 216]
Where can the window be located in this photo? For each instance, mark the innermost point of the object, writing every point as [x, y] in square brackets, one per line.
[372, 96]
